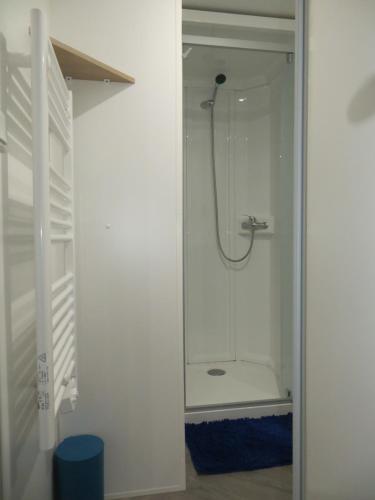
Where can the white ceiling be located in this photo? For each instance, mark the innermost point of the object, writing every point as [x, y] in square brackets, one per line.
[275, 8]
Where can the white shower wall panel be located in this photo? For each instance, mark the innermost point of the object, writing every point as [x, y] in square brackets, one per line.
[228, 306]
[207, 279]
[250, 177]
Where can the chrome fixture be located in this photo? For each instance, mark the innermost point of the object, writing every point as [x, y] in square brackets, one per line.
[210, 103]
[253, 224]
[216, 372]
[207, 104]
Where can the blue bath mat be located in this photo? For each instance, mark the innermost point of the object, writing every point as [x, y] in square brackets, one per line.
[239, 445]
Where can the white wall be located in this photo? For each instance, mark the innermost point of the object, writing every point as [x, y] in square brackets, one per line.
[26, 472]
[128, 175]
[340, 392]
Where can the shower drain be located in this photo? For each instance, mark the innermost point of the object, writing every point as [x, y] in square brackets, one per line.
[216, 372]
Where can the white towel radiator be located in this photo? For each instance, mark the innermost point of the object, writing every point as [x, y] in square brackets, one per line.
[53, 232]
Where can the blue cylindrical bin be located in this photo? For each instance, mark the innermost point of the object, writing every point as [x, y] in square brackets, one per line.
[79, 469]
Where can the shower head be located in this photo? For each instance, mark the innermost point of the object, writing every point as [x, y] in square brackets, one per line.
[220, 79]
[210, 103]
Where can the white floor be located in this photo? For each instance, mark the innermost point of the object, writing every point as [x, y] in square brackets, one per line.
[243, 382]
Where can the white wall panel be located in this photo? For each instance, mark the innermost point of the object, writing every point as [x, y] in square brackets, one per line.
[251, 193]
[207, 280]
[129, 170]
[340, 297]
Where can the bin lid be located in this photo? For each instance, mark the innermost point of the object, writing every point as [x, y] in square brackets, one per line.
[79, 448]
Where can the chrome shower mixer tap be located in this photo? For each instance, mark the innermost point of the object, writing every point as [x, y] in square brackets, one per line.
[252, 224]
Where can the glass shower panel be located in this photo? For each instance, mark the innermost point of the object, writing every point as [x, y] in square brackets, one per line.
[238, 315]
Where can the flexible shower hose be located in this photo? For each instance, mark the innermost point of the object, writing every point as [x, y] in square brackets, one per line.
[214, 182]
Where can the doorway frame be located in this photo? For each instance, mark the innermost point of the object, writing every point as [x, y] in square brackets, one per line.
[300, 126]
[299, 226]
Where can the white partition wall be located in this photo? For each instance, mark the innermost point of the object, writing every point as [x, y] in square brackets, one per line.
[128, 164]
[129, 161]
[340, 295]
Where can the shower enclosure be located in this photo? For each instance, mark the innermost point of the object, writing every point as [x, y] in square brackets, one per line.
[238, 202]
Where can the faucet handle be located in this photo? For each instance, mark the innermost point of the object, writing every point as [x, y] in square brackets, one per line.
[253, 224]
[250, 217]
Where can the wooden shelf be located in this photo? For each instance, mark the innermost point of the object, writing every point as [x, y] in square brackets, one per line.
[80, 66]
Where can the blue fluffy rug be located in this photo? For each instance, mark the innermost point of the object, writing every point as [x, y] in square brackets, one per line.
[238, 445]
